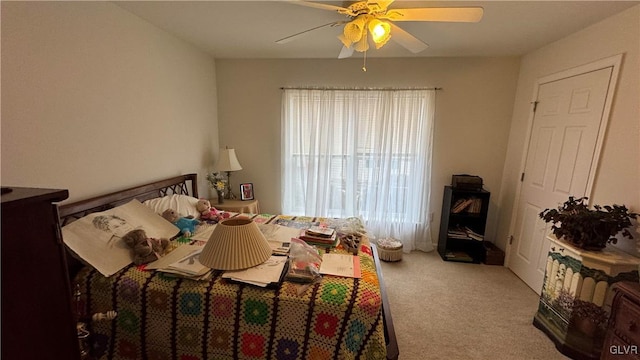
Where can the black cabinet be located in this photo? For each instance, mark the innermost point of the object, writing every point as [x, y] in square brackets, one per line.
[37, 318]
[463, 223]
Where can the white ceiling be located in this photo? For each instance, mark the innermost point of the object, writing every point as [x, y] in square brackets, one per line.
[249, 29]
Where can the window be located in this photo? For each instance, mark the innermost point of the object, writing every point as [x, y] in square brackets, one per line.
[363, 153]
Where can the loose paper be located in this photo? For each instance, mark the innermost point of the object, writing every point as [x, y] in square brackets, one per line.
[262, 275]
[190, 264]
[278, 233]
[345, 265]
[97, 237]
[203, 232]
[174, 256]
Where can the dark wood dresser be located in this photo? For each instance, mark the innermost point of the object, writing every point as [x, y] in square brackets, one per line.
[37, 317]
[622, 341]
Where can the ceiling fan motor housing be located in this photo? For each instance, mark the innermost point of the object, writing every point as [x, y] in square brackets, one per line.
[365, 7]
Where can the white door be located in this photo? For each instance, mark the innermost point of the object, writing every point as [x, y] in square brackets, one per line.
[560, 161]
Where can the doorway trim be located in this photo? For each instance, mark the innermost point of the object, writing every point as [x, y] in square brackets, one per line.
[613, 62]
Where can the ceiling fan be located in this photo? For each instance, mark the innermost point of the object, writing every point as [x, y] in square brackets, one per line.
[376, 17]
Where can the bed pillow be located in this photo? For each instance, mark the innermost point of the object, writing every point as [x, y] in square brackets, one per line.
[184, 205]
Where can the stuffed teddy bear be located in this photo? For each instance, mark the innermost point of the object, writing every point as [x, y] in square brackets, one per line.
[145, 249]
[209, 213]
[187, 226]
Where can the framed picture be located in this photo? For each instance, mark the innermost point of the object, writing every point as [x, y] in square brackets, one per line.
[246, 191]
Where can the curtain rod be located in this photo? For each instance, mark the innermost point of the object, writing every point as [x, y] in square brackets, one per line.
[338, 88]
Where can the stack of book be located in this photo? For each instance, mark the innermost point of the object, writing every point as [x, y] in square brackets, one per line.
[457, 234]
[189, 267]
[464, 233]
[320, 236]
[279, 248]
[474, 235]
[471, 205]
[475, 207]
[458, 256]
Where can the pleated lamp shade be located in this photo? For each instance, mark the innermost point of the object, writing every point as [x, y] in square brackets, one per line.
[235, 244]
[228, 161]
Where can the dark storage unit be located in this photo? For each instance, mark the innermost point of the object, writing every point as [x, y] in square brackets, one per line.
[493, 255]
[37, 318]
[462, 226]
[466, 182]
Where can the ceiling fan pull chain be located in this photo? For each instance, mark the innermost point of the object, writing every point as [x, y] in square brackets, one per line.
[364, 63]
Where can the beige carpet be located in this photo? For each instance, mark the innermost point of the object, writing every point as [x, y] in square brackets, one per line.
[448, 310]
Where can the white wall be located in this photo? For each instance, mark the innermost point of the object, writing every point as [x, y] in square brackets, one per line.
[94, 99]
[618, 176]
[473, 112]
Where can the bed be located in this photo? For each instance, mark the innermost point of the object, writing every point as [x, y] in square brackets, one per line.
[162, 317]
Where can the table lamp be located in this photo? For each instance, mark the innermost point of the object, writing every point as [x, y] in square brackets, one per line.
[228, 162]
[236, 243]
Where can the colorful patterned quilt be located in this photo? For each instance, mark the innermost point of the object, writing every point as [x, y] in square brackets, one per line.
[162, 317]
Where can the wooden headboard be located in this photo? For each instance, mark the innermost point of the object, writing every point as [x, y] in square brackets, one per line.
[175, 185]
[72, 211]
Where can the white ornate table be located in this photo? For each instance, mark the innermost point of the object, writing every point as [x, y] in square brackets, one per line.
[576, 291]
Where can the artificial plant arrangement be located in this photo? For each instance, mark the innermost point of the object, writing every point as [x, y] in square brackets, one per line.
[589, 229]
[218, 183]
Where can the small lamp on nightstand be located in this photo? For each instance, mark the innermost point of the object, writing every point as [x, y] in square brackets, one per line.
[228, 162]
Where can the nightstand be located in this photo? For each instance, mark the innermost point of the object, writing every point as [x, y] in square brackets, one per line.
[239, 206]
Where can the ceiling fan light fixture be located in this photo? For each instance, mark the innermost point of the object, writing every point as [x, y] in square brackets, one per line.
[362, 45]
[346, 42]
[354, 30]
[380, 32]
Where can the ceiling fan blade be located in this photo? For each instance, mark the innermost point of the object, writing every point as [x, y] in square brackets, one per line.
[407, 40]
[345, 52]
[321, 6]
[455, 14]
[300, 34]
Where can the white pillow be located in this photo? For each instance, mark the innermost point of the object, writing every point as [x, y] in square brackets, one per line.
[184, 205]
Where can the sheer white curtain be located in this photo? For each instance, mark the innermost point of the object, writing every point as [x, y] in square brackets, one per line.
[364, 153]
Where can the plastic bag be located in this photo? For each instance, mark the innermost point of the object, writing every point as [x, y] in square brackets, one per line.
[348, 226]
[304, 262]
